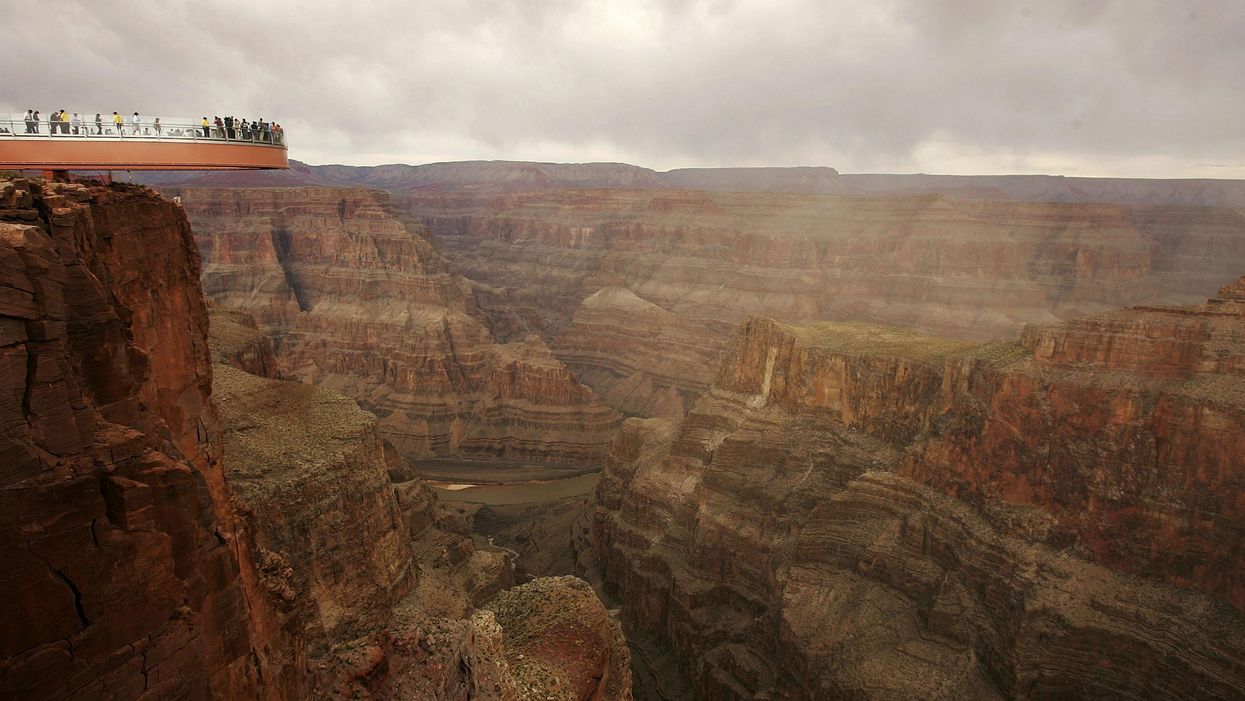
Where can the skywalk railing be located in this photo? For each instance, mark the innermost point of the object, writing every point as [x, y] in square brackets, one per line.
[147, 129]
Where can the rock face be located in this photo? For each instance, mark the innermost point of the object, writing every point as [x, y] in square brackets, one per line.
[971, 268]
[309, 475]
[852, 511]
[638, 357]
[123, 575]
[374, 596]
[237, 341]
[560, 643]
[975, 269]
[356, 301]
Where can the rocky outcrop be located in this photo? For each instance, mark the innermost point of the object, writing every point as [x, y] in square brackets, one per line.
[561, 643]
[374, 591]
[356, 301]
[308, 472]
[237, 341]
[638, 357]
[860, 512]
[124, 577]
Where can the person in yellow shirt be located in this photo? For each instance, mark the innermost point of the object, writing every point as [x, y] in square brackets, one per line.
[206, 125]
[117, 122]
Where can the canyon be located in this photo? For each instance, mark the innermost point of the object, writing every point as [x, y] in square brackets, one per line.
[177, 528]
[549, 251]
[869, 437]
[355, 300]
[858, 511]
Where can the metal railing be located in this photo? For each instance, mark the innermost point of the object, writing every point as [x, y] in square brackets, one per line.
[147, 129]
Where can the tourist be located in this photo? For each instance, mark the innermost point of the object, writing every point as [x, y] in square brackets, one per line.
[206, 127]
[36, 121]
[137, 124]
[220, 127]
[157, 126]
[99, 125]
[117, 123]
[76, 122]
[54, 122]
[267, 131]
[32, 122]
[245, 128]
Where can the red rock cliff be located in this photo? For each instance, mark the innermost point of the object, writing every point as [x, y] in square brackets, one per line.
[124, 577]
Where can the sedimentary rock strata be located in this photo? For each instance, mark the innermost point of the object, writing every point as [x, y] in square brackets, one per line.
[123, 575]
[861, 512]
[969, 268]
[236, 340]
[356, 301]
[638, 357]
[147, 557]
[972, 268]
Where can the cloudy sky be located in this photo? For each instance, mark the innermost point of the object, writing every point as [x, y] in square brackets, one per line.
[1128, 88]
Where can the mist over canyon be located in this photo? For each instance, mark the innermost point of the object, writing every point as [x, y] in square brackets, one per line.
[301, 434]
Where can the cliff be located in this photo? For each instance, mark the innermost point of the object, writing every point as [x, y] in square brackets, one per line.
[969, 268]
[236, 340]
[861, 512]
[278, 550]
[638, 357]
[375, 596]
[356, 301]
[124, 577]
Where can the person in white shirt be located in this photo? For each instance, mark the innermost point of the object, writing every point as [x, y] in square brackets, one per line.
[137, 124]
[76, 123]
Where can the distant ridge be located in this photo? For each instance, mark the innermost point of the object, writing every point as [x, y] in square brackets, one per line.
[489, 176]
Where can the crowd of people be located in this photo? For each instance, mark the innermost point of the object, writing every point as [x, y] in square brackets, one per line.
[227, 128]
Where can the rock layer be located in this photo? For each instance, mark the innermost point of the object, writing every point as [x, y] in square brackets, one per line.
[123, 577]
[638, 357]
[148, 558]
[356, 301]
[860, 512]
[971, 268]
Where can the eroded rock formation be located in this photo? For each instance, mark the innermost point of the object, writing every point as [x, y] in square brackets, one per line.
[147, 557]
[638, 357]
[853, 511]
[123, 575]
[356, 301]
[974, 268]
[375, 594]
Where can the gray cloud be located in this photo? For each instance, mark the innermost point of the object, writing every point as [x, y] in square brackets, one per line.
[1131, 88]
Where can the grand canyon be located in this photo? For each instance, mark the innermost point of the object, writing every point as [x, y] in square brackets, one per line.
[830, 436]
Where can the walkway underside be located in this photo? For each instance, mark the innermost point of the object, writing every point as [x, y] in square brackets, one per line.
[137, 154]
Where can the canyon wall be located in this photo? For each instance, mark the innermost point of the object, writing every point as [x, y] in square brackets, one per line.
[124, 576]
[279, 549]
[522, 175]
[854, 511]
[374, 597]
[971, 268]
[356, 301]
[975, 257]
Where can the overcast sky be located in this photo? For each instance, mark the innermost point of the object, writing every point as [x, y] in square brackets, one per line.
[1129, 88]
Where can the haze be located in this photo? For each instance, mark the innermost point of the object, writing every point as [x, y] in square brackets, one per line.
[1129, 88]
